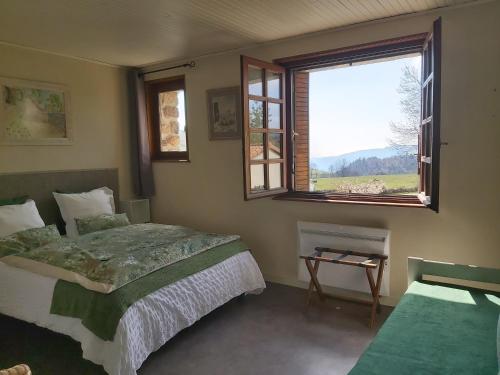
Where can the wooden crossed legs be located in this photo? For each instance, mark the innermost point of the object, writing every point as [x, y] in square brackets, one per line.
[367, 264]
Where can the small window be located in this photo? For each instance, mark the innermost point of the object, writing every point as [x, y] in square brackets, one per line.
[361, 125]
[167, 119]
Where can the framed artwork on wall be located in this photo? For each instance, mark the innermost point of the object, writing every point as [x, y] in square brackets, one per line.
[34, 113]
[224, 113]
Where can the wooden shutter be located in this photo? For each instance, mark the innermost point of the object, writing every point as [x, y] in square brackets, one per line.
[429, 139]
[264, 126]
[301, 134]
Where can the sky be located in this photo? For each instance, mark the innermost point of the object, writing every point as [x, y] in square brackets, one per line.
[182, 119]
[350, 108]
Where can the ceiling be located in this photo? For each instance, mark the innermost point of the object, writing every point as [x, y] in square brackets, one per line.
[137, 33]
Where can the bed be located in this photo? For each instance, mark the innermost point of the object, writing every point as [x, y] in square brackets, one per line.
[150, 321]
[438, 327]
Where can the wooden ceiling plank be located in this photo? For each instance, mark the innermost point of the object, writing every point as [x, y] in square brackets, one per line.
[188, 27]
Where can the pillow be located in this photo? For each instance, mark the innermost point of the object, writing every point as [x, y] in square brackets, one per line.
[17, 217]
[101, 222]
[15, 200]
[28, 239]
[80, 205]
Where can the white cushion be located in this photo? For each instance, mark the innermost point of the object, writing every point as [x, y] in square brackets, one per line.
[77, 206]
[17, 217]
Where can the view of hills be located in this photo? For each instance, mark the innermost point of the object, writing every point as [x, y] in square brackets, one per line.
[374, 157]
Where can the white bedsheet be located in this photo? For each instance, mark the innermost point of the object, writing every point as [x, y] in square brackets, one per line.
[148, 324]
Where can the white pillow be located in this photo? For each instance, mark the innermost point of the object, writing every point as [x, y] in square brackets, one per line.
[17, 217]
[77, 206]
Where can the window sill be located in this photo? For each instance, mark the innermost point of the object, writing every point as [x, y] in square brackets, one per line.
[360, 199]
[169, 161]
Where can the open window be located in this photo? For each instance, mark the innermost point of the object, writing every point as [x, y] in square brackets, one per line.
[166, 109]
[361, 126]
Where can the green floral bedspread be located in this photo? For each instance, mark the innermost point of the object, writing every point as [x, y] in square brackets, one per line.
[106, 260]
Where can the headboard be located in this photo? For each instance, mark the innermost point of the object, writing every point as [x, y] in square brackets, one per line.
[40, 185]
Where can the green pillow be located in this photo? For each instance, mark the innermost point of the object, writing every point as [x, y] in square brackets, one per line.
[101, 222]
[15, 200]
[28, 239]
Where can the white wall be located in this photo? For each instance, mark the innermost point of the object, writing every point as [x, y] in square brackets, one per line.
[99, 115]
[208, 192]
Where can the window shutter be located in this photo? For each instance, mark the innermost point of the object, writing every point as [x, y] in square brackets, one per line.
[429, 139]
[264, 128]
[301, 134]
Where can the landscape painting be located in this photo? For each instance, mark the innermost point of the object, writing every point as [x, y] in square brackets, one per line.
[224, 113]
[33, 113]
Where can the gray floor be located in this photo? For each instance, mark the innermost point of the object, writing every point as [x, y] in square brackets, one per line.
[270, 334]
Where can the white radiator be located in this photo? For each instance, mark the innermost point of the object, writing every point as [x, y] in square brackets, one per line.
[343, 237]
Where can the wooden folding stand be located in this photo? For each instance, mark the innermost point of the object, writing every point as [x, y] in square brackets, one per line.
[371, 261]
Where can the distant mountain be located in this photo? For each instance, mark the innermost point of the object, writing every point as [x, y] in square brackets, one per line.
[399, 164]
[323, 163]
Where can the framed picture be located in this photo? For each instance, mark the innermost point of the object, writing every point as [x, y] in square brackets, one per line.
[224, 111]
[34, 113]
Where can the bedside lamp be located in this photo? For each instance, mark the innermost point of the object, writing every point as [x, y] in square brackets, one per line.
[137, 210]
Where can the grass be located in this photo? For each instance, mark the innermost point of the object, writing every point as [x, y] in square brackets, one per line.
[396, 182]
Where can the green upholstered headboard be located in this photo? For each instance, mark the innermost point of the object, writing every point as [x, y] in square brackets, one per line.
[40, 185]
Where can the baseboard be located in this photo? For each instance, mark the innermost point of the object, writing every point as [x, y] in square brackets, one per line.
[341, 293]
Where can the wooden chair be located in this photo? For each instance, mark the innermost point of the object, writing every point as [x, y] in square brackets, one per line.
[17, 370]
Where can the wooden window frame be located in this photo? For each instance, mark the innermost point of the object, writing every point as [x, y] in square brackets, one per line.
[429, 157]
[247, 131]
[386, 48]
[153, 88]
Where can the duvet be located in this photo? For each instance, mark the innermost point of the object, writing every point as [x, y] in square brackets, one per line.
[101, 274]
[107, 260]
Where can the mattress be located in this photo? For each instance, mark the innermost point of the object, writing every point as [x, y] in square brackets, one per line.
[436, 329]
[27, 296]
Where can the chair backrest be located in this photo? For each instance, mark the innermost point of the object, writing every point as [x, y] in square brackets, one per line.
[418, 267]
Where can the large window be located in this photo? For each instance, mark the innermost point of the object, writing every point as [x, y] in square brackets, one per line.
[362, 124]
[167, 119]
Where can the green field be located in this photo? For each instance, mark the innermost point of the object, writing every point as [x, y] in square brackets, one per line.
[396, 183]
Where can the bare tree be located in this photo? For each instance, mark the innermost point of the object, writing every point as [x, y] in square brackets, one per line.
[331, 170]
[406, 131]
[342, 171]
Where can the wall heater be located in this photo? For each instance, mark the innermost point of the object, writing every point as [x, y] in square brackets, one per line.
[343, 237]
